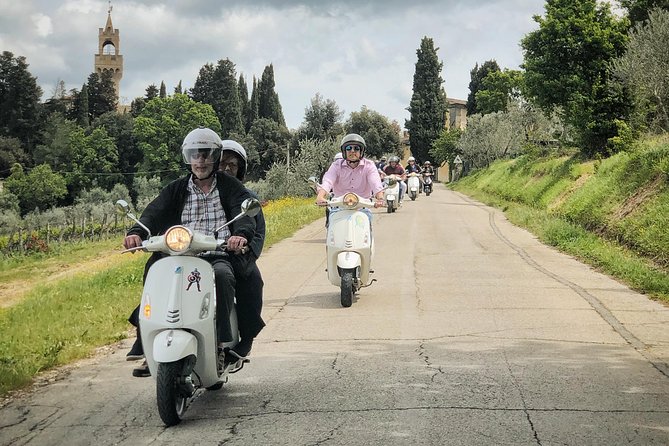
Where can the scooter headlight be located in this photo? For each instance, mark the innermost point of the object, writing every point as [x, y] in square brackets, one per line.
[178, 238]
[350, 200]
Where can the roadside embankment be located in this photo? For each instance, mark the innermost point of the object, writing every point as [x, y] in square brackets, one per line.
[611, 213]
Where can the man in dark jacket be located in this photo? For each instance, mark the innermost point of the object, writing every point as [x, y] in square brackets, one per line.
[202, 201]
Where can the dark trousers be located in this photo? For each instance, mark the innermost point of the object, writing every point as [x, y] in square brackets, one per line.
[249, 303]
[224, 277]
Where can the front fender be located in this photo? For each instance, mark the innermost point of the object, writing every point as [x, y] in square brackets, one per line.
[348, 260]
[173, 345]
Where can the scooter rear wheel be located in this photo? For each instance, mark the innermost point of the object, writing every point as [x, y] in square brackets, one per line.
[172, 403]
[347, 289]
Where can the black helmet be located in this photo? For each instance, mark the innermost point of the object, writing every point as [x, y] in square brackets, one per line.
[353, 139]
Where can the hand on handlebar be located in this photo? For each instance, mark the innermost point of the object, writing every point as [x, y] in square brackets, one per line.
[236, 244]
[132, 241]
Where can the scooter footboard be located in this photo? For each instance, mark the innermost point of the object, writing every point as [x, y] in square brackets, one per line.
[173, 345]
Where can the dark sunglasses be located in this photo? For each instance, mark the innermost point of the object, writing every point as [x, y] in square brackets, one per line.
[356, 148]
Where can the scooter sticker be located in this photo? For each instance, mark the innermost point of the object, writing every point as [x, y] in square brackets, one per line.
[360, 221]
[194, 278]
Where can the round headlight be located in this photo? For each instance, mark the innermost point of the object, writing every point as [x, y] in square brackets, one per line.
[178, 238]
[350, 200]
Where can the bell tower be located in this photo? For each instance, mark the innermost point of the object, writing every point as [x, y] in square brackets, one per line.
[108, 57]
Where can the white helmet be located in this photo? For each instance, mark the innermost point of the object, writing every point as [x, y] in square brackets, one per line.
[201, 141]
[234, 146]
[353, 139]
[411, 158]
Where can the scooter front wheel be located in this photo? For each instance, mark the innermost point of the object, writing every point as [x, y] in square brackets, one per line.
[172, 403]
[347, 289]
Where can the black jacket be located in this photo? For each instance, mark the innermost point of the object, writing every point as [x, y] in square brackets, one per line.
[165, 210]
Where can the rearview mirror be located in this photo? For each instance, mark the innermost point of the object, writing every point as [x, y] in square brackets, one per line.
[251, 207]
[122, 207]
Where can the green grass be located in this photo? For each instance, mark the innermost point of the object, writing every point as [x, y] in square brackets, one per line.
[59, 254]
[66, 320]
[612, 214]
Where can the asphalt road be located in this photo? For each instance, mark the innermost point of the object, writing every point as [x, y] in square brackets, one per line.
[474, 333]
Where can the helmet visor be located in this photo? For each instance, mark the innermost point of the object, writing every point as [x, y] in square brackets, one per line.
[201, 155]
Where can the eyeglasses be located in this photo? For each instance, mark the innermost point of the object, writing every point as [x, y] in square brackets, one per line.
[354, 148]
[229, 164]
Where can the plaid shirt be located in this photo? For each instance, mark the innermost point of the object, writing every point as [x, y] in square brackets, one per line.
[204, 212]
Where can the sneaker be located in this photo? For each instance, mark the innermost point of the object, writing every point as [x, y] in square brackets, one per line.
[136, 351]
[142, 371]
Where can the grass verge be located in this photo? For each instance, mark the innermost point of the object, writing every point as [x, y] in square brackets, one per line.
[553, 223]
[65, 320]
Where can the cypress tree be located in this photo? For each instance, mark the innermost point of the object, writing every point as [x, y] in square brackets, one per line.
[178, 89]
[82, 116]
[151, 92]
[428, 104]
[163, 91]
[243, 100]
[101, 94]
[202, 91]
[226, 98]
[268, 100]
[253, 106]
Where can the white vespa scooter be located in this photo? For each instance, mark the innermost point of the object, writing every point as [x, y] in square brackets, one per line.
[413, 185]
[177, 315]
[427, 184]
[391, 193]
[349, 244]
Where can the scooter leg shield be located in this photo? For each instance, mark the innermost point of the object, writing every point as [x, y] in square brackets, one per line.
[348, 260]
[173, 345]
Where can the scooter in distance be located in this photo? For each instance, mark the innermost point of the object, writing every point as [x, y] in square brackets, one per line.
[391, 193]
[427, 184]
[177, 317]
[349, 244]
[413, 185]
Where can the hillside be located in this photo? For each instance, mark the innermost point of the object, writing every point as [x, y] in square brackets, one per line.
[611, 213]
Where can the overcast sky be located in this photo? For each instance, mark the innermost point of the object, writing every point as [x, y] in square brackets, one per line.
[354, 52]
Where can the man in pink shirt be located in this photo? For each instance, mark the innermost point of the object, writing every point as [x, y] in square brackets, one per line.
[353, 173]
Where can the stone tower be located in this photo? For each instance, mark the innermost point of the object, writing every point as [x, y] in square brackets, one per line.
[108, 57]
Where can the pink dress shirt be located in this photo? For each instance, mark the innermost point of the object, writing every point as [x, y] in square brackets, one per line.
[364, 180]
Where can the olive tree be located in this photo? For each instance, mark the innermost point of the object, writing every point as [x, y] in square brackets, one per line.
[644, 67]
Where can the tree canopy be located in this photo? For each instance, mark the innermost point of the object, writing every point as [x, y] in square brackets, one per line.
[19, 101]
[322, 120]
[643, 69]
[477, 74]
[40, 188]
[497, 89]
[381, 135]
[160, 129]
[566, 64]
[639, 10]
